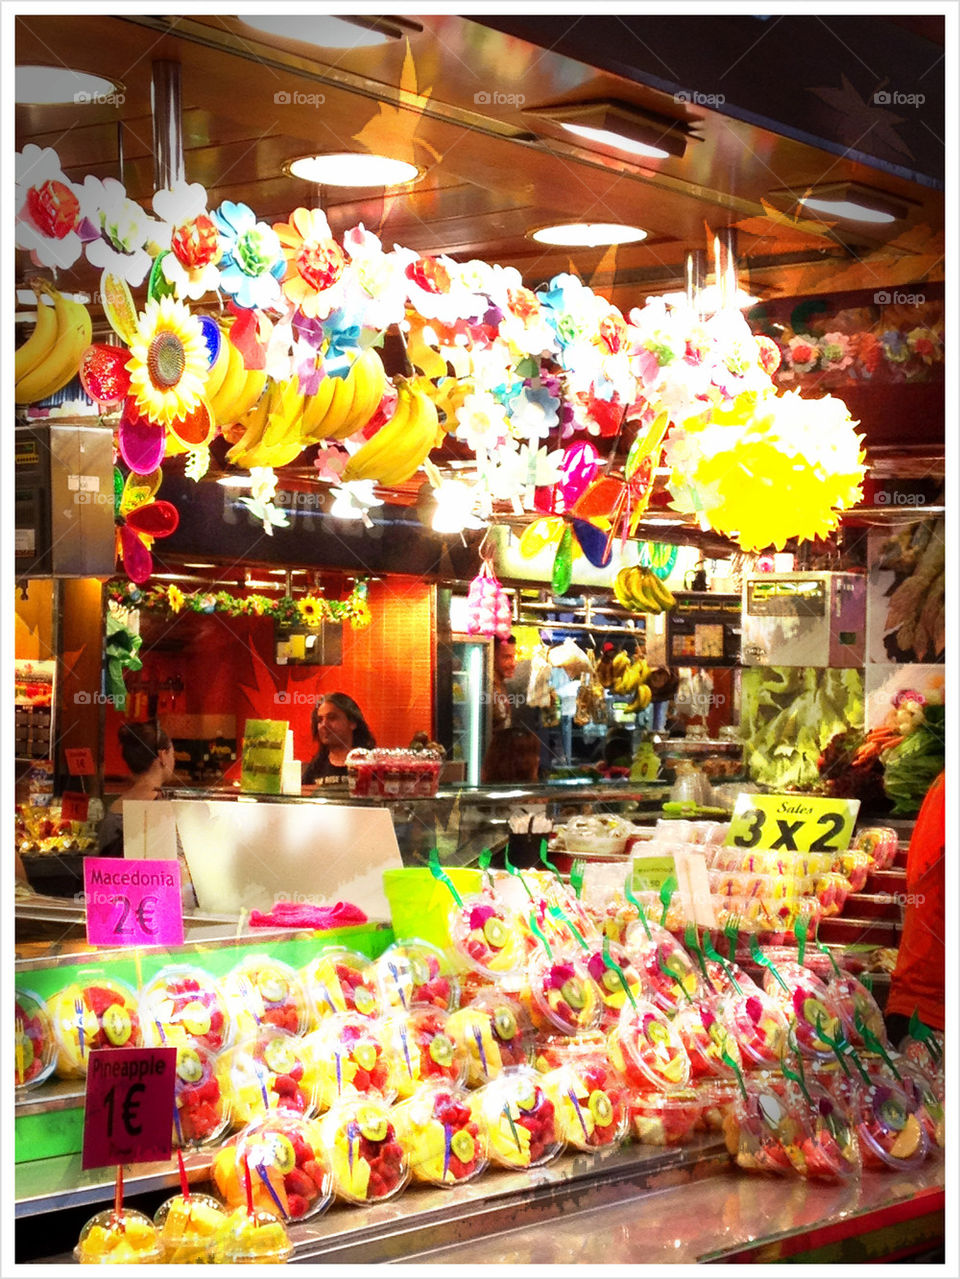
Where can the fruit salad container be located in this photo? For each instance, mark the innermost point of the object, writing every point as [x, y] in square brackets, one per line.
[773, 920]
[491, 1034]
[923, 1054]
[189, 1228]
[287, 1159]
[891, 1132]
[854, 865]
[647, 1050]
[607, 979]
[421, 1050]
[667, 1118]
[382, 772]
[831, 1152]
[127, 1238]
[767, 1126]
[831, 891]
[926, 1095]
[414, 972]
[486, 937]
[590, 1102]
[551, 1051]
[669, 975]
[95, 1013]
[880, 843]
[724, 979]
[369, 1163]
[809, 1007]
[717, 1099]
[340, 981]
[857, 1007]
[764, 861]
[758, 1024]
[773, 887]
[202, 1111]
[35, 1050]
[268, 1071]
[264, 991]
[444, 1138]
[348, 1058]
[257, 1238]
[184, 1005]
[560, 995]
[520, 1119]
[706, 1037]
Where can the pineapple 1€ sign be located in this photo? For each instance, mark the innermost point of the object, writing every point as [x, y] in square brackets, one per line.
[793, 823]
[128, 1106]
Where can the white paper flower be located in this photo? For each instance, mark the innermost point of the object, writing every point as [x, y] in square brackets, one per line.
[49, 209]
[482, 421]
[124, 230]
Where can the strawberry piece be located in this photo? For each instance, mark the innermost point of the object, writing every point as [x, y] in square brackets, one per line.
[314, 1171]
[361, 1080]
[100, 999]
[296, 1206]
[297, 1182]
[302, 1150]
[284, 1086]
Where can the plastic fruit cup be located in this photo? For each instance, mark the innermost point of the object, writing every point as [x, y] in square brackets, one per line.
[551, 1051]
[268, 1071]
[189, 1228]
[444, 1138]
[645, 1047]
[35, 1052]
[589, 1103]
[666, 1119]
[520, 1119]
[880, 843]
[184, 1005]
[761, 1129]
[348, 1058]
[560, 994]
[890, 1132]
[609, 984]
[265, 991]
[421, 1049]
[486, 938]
[340, 981]
[414, 972]
[831, 1152]
[808, 1004]
[95, 1013]
[855, 1003]
[757, 1024]
[125, 1238]
[253, 1239]
[490, 1036]
[706, 1037]
[926, 1096]
[289, 1175]
[668, 971]
[718, 1097]
[369, 1164]
[203, 1113]
[726, 977]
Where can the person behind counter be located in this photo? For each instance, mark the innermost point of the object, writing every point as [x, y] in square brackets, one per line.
[337, 726]
[148, 752]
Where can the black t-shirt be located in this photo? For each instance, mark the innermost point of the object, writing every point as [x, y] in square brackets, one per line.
[321, 771]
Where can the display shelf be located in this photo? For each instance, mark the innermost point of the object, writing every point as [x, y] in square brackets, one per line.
[49, 1185]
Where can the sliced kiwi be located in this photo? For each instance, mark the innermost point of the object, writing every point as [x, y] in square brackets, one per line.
[504, 1022]
[372, 1125]
[195, 1018]
[273, 987]
[283, 1155]
[365, 1055]
[463, 1146]
[189, 1066]
[279, 1056]
[442, 1050]
[611, 981]
[363, 1000]
[573, 992]
[496, 932]
[891, 1114]
[117, 1025]
[601, 1107]
[527, 1099]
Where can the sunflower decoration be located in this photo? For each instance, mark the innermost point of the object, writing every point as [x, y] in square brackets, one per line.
[315, 263]
[360, 614]
[311, 610]
[168, 365]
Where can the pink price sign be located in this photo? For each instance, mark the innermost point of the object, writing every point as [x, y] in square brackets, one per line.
[132, 903]
[128, 1110]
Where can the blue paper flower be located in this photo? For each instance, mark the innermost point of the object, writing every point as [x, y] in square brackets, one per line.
[253, 263]
[341, 329]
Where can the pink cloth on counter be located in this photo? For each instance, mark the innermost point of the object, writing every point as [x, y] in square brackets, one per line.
[303, 915]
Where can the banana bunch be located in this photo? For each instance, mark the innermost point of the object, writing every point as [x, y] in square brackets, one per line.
[399, 448]
[50, 357]
[630, 677]
[232, 389]
[640, 590]
[344, 405]
[271, 429]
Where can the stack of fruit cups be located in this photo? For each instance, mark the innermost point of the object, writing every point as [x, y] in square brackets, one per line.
[444, 1139]
[288, 1172]
[589, 1099]
[414, 972]
[491, 1033]
[265, 991]
[91, 1014]
[125, 1238]
[189, 1227]
[184, 1005]
[348, 1058]
[257, 1238]
[202, 1113]
[340, 981]
[669, 976]
[520, 1119]
[559, 994]
[420, 1048]
[35, 1049]
[368, 1162]
[486, 937]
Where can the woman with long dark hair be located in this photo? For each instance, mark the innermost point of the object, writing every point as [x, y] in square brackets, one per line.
[337, 726]
[148, 752]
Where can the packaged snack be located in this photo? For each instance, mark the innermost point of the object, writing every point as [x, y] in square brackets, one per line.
[265, 991]
[253, 1239]
[830, 1151]
[612, 994]
[189, 1228]
[590, 1102]
[808, 1005]
[444, 1139]
[725, 978]
[669, 976]
[764, 1129]
[35, 1052]
[368, 1162]
[666, 1118]
[124, 1238]
[288, 1170]
[758, 1025]
[267, 1071]
[100, 1013]
[857, 1007]
[184, 1005]
[559, 993]
[486, 936]
[414, 972]
[706, 1037]
[520, 1118]
[348, 1058]
[490, 1034]
[890, 1131]
[880, 843]
[202, 1113]
[340, 981]
[645, 1047]
[419, 1048]
[855, 865]
[926, 1096]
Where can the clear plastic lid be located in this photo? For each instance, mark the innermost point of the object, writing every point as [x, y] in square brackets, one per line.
[768, 1124]
[880, 843]
[96, 1011]
[590, 1101]
[202, 1110]
[725, 978]
[340, 981]
[809, 1006]
[487, 937]
[857, 1008]
[35, 1050]
[126, 1237]
[762, 861]
[832, 1151]
[421, 1049]
[667, 1118]
[265, 991]
[289, 1172]
[560, 994]
[706, 1037]
[349, 1058]
[269, 1070]
[646, 1047]
[773, 918]
[258, 1238]
[771, 887]
[670, 976]
[413, 972]
[368, 1162]
[185, 1005]
[445, 1139]
[758, 1024]
[608, 982]
[491, 1033]
[189, 1228]
[891, 1132]
[520, 1118]
[855, 865]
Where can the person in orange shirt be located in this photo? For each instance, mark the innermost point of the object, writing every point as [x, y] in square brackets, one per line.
[917, 982]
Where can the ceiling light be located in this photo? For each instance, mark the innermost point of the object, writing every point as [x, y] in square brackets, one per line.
[186, 565]
[352, 169]
[325, 30]
[849, 201]
[588, 234]
[43, 86]
[235, 481]
[847, 209]
[709, 299]
[622, 126]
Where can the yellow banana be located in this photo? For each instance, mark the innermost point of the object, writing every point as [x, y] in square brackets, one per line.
[218, 370]
[284, 414]
[315, 408]
[234, 380]
[254, 423]
[337, 424]
[375, 456]
[642, 699]
[74, 331]
[419, 438]
[255, 381]
[279, 455]
[40, 342]
[369, 381]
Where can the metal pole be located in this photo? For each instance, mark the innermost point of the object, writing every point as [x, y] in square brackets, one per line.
[694, 277]
[167, 125]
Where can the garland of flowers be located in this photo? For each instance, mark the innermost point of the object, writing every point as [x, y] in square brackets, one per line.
[908, 353]
[308, 610]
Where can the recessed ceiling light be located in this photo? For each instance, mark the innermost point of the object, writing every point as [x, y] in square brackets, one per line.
[44, 86]
[622, 126]
[847, 209]
[325, 30]
[589, 234]
[607, 138]
[353, 169]
[849, 201]
[709, 299]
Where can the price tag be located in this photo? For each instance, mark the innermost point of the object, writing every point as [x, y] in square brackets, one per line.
[128, 1111]
[79, 761]
[793, 823]
[132, 903]
[74, 806]
[651, 873]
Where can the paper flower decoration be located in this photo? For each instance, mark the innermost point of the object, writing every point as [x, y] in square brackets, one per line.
[253, 263]
[534, 412]
[803, 352]
[376, 283]
[168, 361]
[142, 520]
[314, 262]
[482, 422]
[926, 344]
[48, 209]
[835, 353]
[191, 265]
[123, 227]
